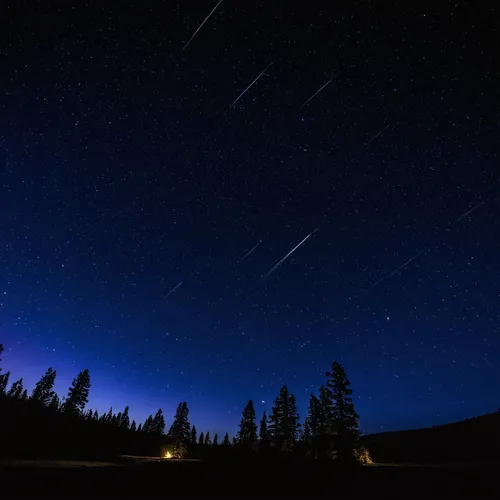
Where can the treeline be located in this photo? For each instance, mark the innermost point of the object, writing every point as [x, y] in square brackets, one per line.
[41, 425]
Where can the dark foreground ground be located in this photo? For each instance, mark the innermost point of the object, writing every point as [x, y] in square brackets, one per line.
[171, 479]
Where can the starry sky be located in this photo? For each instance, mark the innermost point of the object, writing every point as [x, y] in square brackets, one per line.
[150, 181]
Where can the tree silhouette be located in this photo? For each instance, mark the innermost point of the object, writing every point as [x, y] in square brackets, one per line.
[202, 439]
[24, 395]
[216, 440]
[225, 441]
[193, 434]
[159, 423]
[78, 394]
[179, 430]
[4, 382]
[148, 425]
[264, 434]
[55, 403]
[43, 391]
[284, 420]
[133, 426]
[16, 389]
[247, 435]
[124, 420]
[139, 428]
[208, 441]
[343, 413]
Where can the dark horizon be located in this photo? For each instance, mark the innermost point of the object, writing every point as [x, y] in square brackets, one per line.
[150, 188]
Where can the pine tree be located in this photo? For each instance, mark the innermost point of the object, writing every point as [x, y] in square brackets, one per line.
[124, 420]
[208, 441]
[108, 417]
[225, 441]
[78, 394]
[16, 389]
[193, 434]
[247, 435]
[284, 420]
[24, 395]
[4, 382]
[264, 435]
[202, 439]
[96, 416]
[133, 426]
[43, 391]
[139, 428]
[55, 404]
[180, 429]
[343, 413]
[159, 423]
[148, 425]
[216, 440]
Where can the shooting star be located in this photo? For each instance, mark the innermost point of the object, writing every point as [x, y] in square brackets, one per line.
[245, 91]
[378, 134]
[469, 212]
[278, 264]
[173, 290]
[201, 25]
[250, 251]
[317, 92]
[398, 269]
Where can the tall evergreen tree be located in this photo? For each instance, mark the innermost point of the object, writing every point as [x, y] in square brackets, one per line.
[284, 420]
[43, 391]
[194, 434]
[208, 441]
[202, 439]
[124, 420]
[55, 403]
[16, 389]
[24, 395]
[4, 382]
[216, 440]
[343, 413]
[264, 434]
[4, 378]
[133, 426]
[148, 425]
[78, 394]
[180, 429]
[247, 435]
[225, 441]
[159, 422]
[139, 428]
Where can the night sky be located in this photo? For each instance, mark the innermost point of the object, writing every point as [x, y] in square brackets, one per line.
[145, 196]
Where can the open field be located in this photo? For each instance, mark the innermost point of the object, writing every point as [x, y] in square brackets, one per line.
[147, 475]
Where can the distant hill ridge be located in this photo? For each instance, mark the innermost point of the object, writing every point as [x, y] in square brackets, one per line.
[474, 440]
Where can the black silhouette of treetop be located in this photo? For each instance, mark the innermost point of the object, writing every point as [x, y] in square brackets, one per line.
[202, 439]
[43, 391]
[225, 441]
[16, 389]
[4, 378]
[216, 440]
[158, 424]
[4, 382]
[247, 435]
[208, 441]
[180, 428]
[124, 419]
[343, 413]
[133, 426]
[284, 420]
[264, 434]
[194, 434]
[78, 394]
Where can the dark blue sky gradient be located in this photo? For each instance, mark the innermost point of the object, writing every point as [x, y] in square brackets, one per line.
[121, 178]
